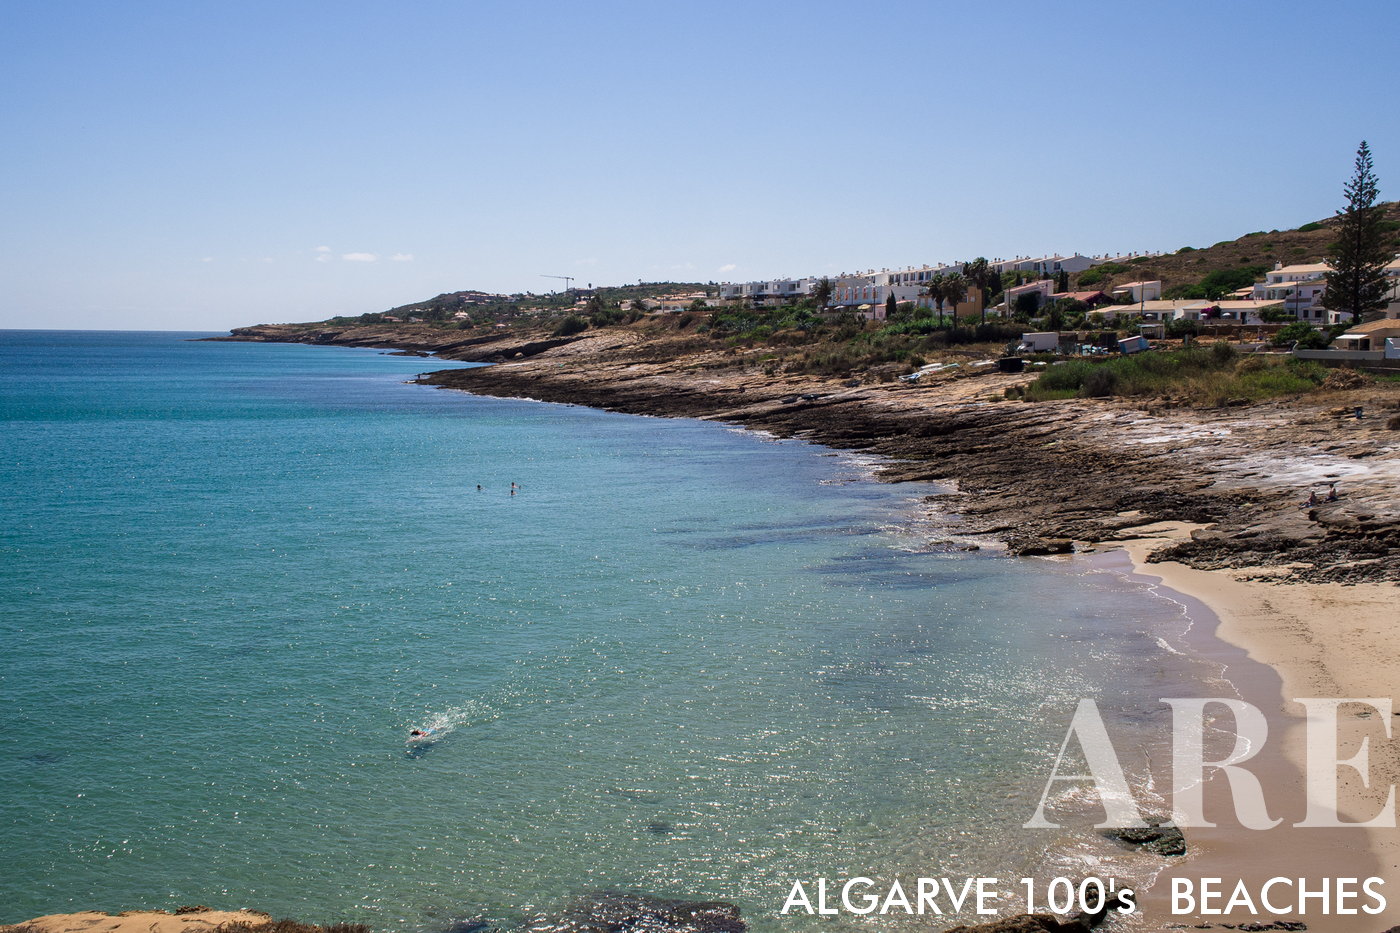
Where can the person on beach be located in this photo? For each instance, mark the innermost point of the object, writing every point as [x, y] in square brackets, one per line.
[1332, 493]
[1312, 499]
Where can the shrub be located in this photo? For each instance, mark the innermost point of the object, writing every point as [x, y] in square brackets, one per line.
[605, 316]
[1222, 353]
[1309, 228]
[573, 324]
[1300, 334]
[1100, 382]
[1205, 376]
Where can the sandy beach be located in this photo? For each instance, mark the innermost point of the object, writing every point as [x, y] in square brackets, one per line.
[1275, 643]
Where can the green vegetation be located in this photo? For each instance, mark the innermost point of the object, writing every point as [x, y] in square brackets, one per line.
[1102, 272]
[572, 324]
[1211, 376]
[1309, 228]
[1301, 335]
[1216, 285]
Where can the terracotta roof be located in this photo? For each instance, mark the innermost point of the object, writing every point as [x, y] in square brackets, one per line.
[1370, 328]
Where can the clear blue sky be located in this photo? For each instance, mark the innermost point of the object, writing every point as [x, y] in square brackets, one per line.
[204, 165]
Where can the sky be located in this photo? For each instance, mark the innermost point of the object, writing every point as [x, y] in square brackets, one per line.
[201, 166]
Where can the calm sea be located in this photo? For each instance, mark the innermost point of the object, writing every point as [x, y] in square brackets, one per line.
[681, 659]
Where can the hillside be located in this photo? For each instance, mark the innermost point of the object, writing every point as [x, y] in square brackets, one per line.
[1256, 252]
[484, 306]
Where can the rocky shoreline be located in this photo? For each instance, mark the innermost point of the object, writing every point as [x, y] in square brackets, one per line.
[1041, 478]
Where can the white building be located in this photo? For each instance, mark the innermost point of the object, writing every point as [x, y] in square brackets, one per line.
[1301, 289]
[1138, 291]
[1042, 290]
[768, 291]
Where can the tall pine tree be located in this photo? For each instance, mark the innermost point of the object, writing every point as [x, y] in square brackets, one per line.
[1358, 259]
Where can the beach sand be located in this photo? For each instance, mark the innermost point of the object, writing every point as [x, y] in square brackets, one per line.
[1274, 643]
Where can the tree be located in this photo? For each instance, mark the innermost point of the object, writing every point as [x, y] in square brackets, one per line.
[1357, 281]
[979, 272]
[1062, 283]
[1302, 335]
[822, 293]
[1027, 304]
[954, 292]
[891, 306]
[934, 290]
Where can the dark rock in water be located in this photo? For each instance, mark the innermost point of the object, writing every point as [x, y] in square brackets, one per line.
[1023, 923]
[659, 828]
[615, 912]
[1028, 546]
[1156, 837]
[1043, 923]
[469, 926]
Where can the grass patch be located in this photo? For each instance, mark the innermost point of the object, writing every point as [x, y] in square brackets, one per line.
[1206, 376]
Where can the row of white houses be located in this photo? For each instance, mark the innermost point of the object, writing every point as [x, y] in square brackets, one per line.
[908, 284]
[1297, 288]
[1301, 287]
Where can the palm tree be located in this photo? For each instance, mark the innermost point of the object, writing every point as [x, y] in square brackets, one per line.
[979, 273]
[954, 291]
[821, 294]
[934, 290]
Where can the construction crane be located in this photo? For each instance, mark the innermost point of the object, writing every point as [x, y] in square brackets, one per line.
[567, 279]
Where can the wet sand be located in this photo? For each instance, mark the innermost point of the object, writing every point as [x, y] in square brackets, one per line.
[1273, 643]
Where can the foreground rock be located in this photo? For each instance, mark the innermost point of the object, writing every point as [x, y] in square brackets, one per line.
[185, 920]
[1155, 838]
[1042, 923]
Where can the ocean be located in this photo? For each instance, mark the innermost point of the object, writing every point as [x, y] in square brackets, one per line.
[674, 658]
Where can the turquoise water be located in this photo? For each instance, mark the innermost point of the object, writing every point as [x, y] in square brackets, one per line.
[682, 659]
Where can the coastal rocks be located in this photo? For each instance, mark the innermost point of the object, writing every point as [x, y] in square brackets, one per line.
[1023, 923]
[185, 920]
[1042, 923]
[1157, 838]
[1291, 926]
[1029, 546]
[618, 912]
